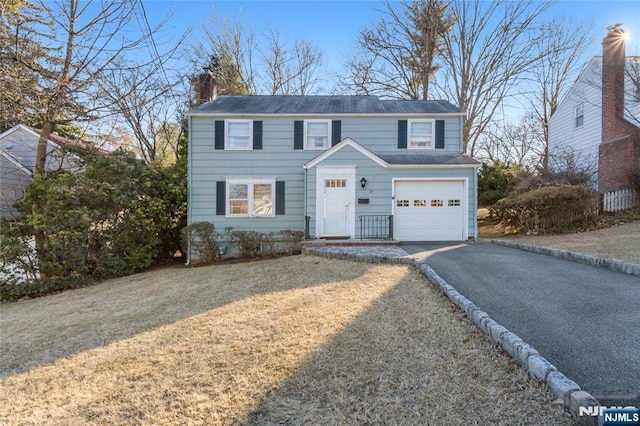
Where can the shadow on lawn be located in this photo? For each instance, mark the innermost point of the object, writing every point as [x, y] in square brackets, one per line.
[410, 358]
[41, 331]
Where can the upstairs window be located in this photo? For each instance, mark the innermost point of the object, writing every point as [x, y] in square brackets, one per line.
[238, 134]
[317, 134]
[420, 134]
[579, 120]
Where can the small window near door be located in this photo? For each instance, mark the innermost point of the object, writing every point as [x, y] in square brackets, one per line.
[437, 203]
[454, 203]
[419, 203]
[402, 203]
[335, 183]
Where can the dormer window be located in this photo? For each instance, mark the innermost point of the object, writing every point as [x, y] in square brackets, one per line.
[579, 116]
[421, 134]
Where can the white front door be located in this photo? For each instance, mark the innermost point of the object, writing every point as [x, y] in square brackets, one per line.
[335, 199]
[336, 207]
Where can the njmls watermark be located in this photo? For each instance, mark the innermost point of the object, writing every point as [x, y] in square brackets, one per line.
[618, 416]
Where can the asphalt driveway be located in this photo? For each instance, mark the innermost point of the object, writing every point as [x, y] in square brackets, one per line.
[583, 319]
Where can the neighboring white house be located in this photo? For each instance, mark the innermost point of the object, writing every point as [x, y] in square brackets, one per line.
[18, 147]
[575, 129]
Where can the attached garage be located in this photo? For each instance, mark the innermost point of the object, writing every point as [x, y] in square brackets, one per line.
[430, 210]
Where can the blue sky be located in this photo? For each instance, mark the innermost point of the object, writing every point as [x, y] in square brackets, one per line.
[334, 25]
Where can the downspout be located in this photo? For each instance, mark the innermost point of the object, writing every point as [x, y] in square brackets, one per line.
[305, 197]
[189, 168]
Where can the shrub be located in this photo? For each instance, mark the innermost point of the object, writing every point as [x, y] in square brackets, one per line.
[494, 182]
[248, 243]
[550, 209]
[201, 241]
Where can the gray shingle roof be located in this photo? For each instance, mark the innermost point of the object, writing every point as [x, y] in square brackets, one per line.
[334, 105]
[421, 158]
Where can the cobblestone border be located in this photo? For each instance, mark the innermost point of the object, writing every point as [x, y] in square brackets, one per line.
[528, 358]
[587, 259]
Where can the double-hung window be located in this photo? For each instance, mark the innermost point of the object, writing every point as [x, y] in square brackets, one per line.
[421, 134]
[579, 116]
[250, 197]
[238, 134]
[317, 134]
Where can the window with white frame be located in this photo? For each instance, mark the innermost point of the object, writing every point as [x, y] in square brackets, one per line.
[317, 134]
[421, 134]
[250, 197]
[579, 122]
[238, 134]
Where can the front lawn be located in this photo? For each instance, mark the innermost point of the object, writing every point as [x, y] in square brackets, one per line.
[294, 340]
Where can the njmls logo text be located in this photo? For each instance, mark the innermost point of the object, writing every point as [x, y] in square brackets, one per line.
[628, 416]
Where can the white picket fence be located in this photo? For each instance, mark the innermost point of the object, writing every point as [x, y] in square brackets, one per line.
[622, 199]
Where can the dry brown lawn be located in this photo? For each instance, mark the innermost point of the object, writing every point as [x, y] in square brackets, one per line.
[299, 340]
[620, 241]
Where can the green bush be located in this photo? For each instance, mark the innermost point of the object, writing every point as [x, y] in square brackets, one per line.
[550, 209]
[495, 181]
[117, 217]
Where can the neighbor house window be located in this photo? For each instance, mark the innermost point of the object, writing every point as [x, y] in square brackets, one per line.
[420, 134]
[238, 134]
[580, 115]
[250, 197]
[317, 134]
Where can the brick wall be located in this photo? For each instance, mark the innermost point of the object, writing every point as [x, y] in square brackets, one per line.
[619, 152]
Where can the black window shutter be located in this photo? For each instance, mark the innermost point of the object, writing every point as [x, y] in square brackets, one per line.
[221, 199]
[336, 132]
[257, 135]
[439, 134]
[402, 134]
[280, 197]
[219, 134]
[298, 134]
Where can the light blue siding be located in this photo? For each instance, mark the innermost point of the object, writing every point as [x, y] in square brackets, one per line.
[278, 159]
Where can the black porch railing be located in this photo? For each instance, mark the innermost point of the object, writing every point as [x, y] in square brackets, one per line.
[378, 226]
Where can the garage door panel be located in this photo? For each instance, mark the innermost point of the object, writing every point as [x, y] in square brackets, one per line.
[429, 211]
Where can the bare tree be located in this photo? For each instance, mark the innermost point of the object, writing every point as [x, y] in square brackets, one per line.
[559, 48]
[230, 51]
[398, 57]
[243, 65]
[521, 144]
[291, 70]
[492, 46]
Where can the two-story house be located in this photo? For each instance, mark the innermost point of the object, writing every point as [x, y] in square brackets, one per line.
[596, 126]
[332, 166]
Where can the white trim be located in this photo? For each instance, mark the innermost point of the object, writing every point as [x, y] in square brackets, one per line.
[17, 163]
[465, 196]
[305, 144]
[327, 116]
[432, 136]
[249, 146]
[250, 200]
[433, 166]
[323, 173]
[346, 142]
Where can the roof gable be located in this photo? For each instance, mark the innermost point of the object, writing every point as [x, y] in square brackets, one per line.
[322, 105]
[344, 143]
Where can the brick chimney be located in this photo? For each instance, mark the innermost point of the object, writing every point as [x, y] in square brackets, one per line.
[205, 87]
[613, 60]
[619, 150]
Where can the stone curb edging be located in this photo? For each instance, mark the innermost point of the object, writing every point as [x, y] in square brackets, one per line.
[528, 358]
[587, 259]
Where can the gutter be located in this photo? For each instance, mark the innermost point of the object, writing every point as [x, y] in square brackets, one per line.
[189, 168]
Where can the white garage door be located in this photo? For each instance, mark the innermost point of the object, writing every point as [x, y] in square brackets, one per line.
[429, 211]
